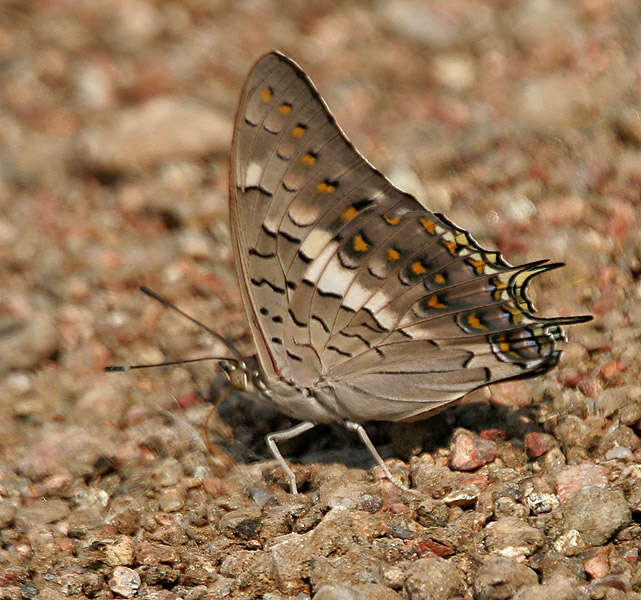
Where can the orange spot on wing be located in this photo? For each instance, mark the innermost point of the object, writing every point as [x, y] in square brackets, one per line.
[503, 345]
[451, 246]
[418, 268]
[326, 188]
[266, 95]
[349, 214]
[393, 254]
[477, 265]
[308, 159]
[359, 244]
[439, 278]
[499, 287]
[298, 131]
[474, 322]
[285, 108]
[435, 302]
[498, 284]
[428, 225]
[392, 220]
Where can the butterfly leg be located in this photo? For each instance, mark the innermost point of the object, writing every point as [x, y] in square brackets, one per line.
[281, 436]
[362, 434]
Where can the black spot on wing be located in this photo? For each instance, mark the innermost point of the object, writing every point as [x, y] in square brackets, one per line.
[254, 252]
[296, 321]
[261, 282]
[322, 323]
[469, 359]
[267, 232]
[371, 314]
[374, 329]
[260, 189]
[375, 275]
[355, 335]
[348, 309]
[359, 205]
[289, 238]
[339, 351]
[327, 294]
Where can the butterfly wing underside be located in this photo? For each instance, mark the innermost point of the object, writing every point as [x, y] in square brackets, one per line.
[350, 283]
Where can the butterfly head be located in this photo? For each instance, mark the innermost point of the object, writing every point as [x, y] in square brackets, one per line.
[237, 373]
[244, 375]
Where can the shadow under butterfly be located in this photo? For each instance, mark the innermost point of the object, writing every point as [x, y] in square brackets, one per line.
[362, 304]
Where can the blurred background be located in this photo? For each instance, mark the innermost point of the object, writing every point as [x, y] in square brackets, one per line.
[520, 119]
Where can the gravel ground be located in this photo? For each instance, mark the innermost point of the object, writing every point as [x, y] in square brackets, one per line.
[519, 119]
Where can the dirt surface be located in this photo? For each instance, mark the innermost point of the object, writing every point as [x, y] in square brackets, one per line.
[518, 119]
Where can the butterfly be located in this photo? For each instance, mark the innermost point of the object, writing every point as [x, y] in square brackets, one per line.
[362, 304]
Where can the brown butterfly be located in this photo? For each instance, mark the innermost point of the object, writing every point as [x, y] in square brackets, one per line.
[362, 304]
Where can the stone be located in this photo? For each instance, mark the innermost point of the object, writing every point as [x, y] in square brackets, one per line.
[596, 513]
[433, 579]
[538, 495]
[8, 512]
[511, 537]
[558, 588]
[538, 444]
[575, 477]
[171, 499]
[121, 552]
[501, 578]
[124, 582]
[468, 451]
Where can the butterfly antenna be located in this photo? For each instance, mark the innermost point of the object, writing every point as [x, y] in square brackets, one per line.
[169, 304]
[121, 368]
[238, 357]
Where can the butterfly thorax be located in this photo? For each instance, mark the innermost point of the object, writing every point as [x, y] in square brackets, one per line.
[316, 404]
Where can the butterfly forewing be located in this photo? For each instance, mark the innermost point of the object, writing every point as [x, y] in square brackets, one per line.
[349, 283]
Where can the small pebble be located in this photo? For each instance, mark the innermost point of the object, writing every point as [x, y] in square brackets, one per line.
[468, 451]
[171, 499]
[597, 513]
[124, 582]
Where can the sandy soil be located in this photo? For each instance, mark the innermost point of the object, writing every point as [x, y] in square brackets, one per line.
[518, 119]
